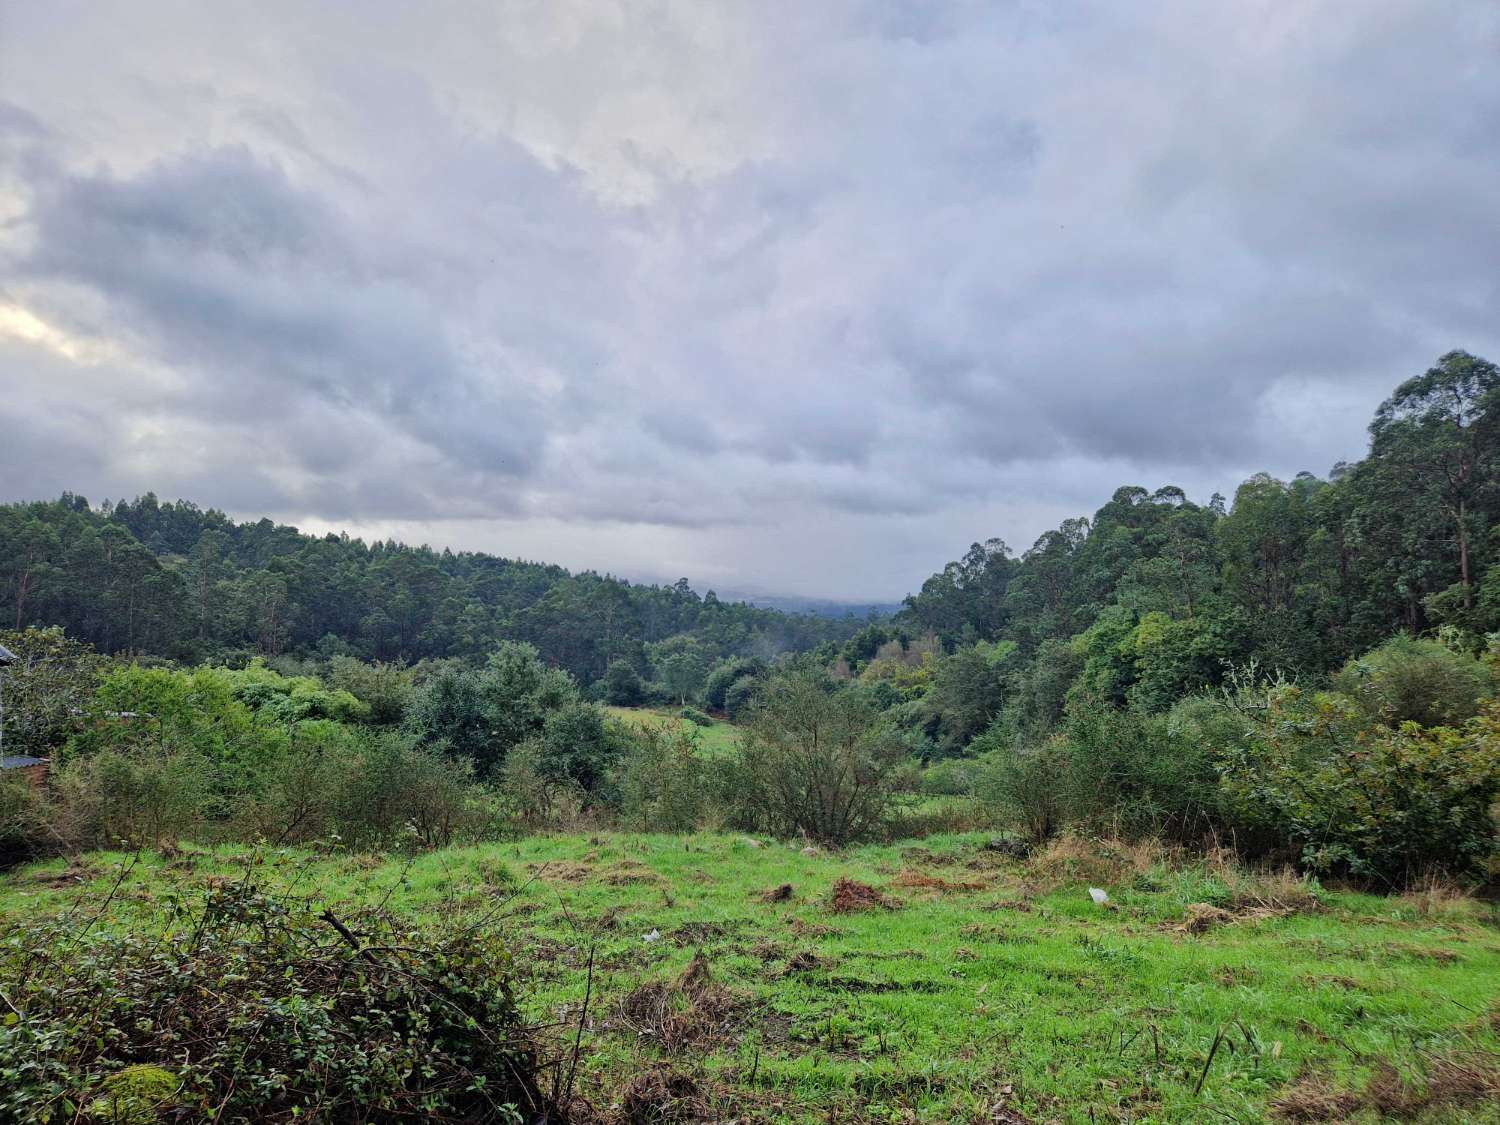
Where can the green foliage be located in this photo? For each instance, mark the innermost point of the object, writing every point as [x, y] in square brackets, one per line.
[1031, 789]
[1388, 804]
[622, 685]
[819, 763]
[385, 690]
[967, 691]
[740, 695]
[578, 744]
[255, 1007]
[136, 1095]
[696, 717]
[173, 580]
[480, 715]
[46, 689]
[724, 675]
[1411, 679]
[664, 783]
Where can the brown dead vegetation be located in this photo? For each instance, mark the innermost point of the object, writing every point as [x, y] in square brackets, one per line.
[660, 1096]
[850, 897]
[782, 893]
[690, 1011]
[1452, 1081]
[917, 879]
[630, 873]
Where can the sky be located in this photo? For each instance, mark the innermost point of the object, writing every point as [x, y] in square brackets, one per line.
[785, 297]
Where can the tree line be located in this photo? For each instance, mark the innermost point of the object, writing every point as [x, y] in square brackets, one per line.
[144, 577]
[1155, 596]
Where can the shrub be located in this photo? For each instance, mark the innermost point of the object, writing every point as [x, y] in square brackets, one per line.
[46, 689]
[537, 797]
[724, 674]
[399, 792]
[578, 745]
[1387, 804]
[695, 716]
[818, 763]
[25, 821]
[1031, 788]
[132, 797]
[740, 695]
[1137, 775]
[664, 785]
[384, 689]
[482, 715]
[251, 1008]
[954, 777]
[1410, 679]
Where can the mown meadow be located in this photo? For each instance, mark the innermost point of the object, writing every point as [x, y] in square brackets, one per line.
[715, 976]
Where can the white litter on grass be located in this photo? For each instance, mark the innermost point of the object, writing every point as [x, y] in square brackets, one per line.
[1099, 897]
[654, 935]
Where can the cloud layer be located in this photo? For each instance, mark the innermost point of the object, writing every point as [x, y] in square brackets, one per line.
[799, 297]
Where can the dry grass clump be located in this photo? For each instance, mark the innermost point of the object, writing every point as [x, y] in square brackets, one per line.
[691, 1011]
[1073, 859]
[660, 1096]
[1441, 900]
[1447, 1082]
[921, 881]
[1274, 892]
[782, 893]
[850, 897]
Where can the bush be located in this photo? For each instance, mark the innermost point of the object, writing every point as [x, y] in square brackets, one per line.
[384, 689]
[818, 763]
[46, 689]
[401, 793]
[132, 797]
[740, 695]
[664, 785]
[578, 745]
[696, 717]
[954, 777]
[1409, 679]
[1390, 805]
[724, 674]
[1030, 789]
[1138, 775]
[536, 797]
[25, 821]
[252, 1008]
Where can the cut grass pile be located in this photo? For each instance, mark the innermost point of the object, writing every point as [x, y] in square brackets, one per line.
[739, 979]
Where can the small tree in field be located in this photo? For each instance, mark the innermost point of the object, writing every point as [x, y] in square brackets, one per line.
[820, 763]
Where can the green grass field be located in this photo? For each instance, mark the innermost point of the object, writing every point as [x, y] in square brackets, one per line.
[715, 739]
[978, 988]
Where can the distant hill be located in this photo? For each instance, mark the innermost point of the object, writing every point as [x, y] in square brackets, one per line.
[176, 580]
[819, 607]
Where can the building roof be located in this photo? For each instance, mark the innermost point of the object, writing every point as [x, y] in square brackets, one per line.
[6, 656]
[19, 761]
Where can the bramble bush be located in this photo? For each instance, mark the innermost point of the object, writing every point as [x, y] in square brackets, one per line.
[253, 1007]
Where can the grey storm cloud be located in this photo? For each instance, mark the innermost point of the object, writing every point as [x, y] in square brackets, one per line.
[729, 289]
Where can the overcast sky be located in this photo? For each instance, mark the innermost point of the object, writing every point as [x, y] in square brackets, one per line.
[797, 297]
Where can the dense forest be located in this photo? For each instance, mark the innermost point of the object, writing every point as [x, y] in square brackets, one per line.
[1156, 596]
[173, 580]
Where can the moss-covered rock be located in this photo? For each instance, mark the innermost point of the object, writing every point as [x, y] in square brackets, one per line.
[135, 1095]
